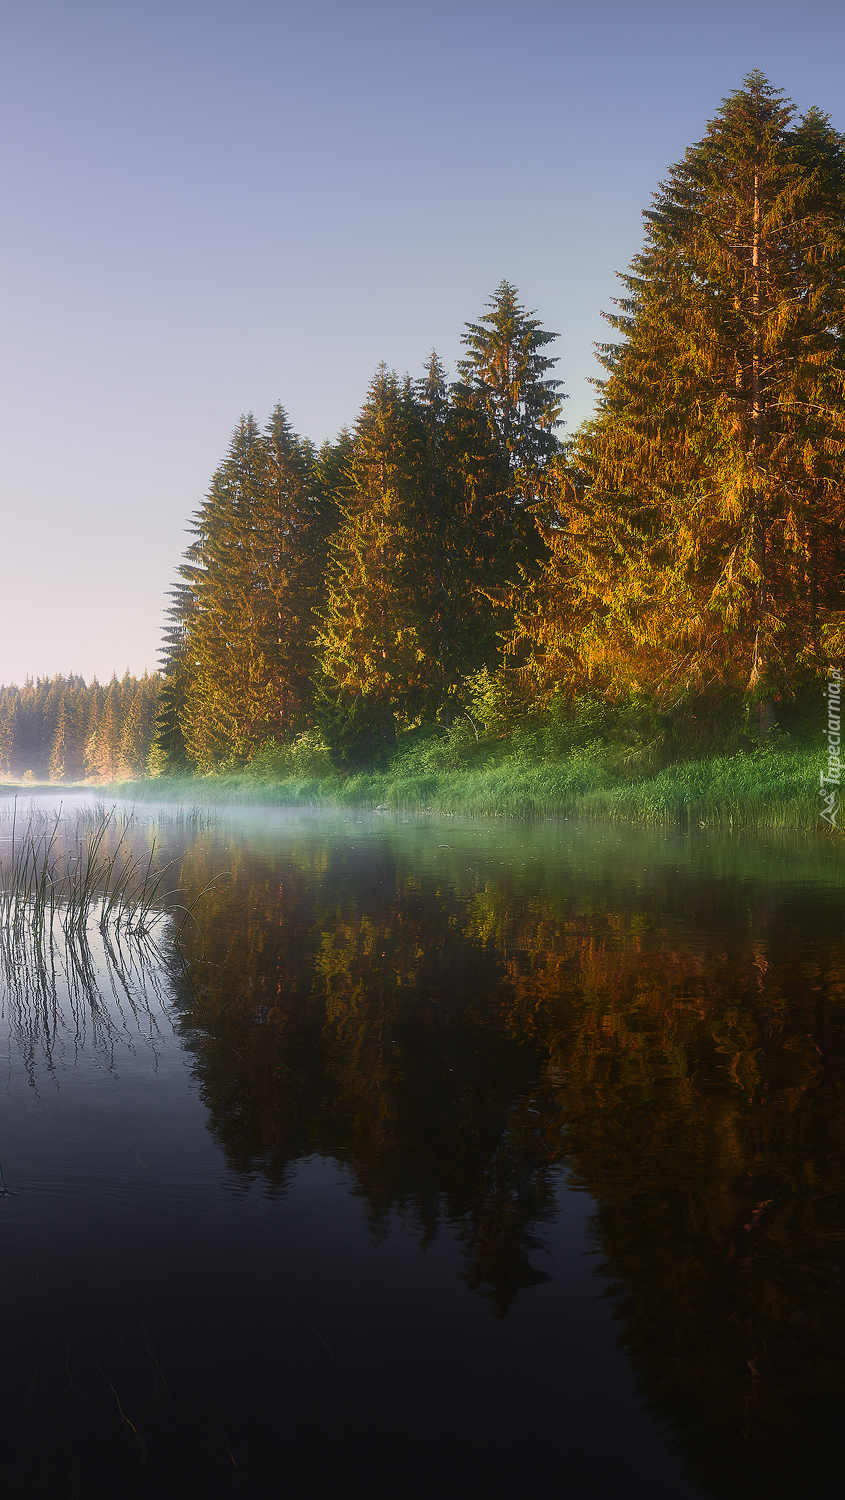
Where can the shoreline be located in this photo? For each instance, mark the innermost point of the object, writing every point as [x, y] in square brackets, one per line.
[772, 789]
[764, 789]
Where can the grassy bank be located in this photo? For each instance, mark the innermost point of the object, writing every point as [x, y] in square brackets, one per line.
[773, 786]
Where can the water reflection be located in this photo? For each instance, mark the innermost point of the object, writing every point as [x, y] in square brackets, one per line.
[454, 1023]
[461, 1017]
[92, 991]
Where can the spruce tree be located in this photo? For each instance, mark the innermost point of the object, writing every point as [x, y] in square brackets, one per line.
[700, 549]
[169, 752]
[243, 662]
[290, 536]
[506, 372]
[7, 728]
[93, 711]
[75, 705]
[220, 707]
[507, 395]
[138, 725]
[376, 646]
[489, 536]
[452, 533]
[103, 749]
[67, 754]
[59, 753]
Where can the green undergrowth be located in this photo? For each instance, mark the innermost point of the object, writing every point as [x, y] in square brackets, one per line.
[772, 786]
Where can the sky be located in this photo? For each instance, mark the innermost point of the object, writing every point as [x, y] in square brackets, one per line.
[210, 206]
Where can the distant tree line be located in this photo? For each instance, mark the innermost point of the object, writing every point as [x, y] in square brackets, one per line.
[66, 730]
[451, 557]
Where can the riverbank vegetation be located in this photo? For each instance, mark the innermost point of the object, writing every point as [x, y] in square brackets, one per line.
[773, 784]
[450, 599]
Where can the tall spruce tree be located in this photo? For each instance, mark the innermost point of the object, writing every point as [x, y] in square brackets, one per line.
[708, 555]
[290, 541]
[243, 617]
[459, 508]
[506, 389]
[169, 751]
[378, 652]
[224, 658]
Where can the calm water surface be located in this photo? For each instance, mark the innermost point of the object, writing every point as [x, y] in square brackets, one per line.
[452, 1159]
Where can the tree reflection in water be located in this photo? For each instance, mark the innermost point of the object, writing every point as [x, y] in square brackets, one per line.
[457, 1034]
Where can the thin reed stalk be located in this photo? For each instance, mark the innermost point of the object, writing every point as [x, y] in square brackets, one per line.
[54, 878]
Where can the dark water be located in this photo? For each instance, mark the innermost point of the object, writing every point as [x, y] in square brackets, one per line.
[455, 1160]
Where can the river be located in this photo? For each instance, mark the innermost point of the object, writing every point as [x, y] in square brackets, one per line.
[437, 1158]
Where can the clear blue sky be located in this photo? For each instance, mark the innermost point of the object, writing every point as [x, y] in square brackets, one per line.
[212, 205]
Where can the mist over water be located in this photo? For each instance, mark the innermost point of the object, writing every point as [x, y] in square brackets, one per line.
[438, 1157]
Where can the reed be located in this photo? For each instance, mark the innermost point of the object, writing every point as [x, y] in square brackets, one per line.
[56, 875]
[188, 820]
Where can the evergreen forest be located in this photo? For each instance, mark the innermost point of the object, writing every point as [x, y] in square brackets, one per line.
[456, 570]
[61, 729]
[671, 572]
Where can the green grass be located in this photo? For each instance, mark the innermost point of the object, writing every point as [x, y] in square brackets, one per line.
[773, 786]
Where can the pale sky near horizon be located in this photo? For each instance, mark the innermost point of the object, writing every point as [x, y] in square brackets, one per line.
[212, 205]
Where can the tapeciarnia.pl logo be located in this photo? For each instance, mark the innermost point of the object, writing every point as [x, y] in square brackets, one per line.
[829, 780]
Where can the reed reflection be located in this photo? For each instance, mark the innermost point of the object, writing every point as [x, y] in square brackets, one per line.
[83, 898]
[95, 991]
[677, 1047]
